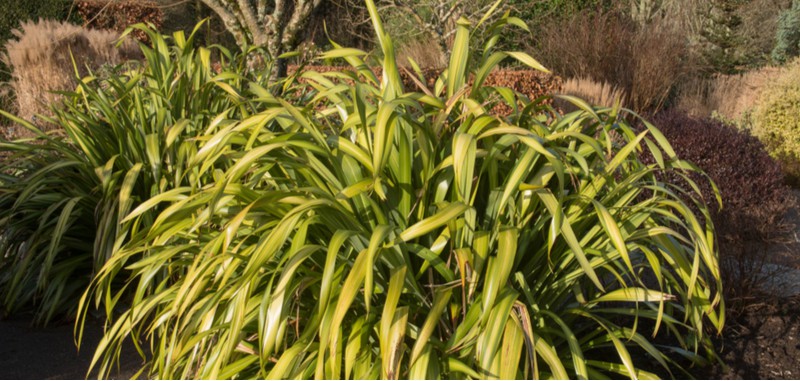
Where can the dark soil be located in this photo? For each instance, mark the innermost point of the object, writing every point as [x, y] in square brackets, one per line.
[35, 353]
[761, 339]
[763, 342]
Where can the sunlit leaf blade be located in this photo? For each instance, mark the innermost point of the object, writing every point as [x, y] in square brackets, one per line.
[332, 226]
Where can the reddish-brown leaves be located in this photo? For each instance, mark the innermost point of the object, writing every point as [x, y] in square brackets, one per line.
[118, 15]
[754, 194]
[531, 83]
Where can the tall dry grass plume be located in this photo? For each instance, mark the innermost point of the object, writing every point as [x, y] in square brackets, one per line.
[427, 55]
[730, 97]
[597, 93]
[661, 61]
[647, 61]
[41, 61]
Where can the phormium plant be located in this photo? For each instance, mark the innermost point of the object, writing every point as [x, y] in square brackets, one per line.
[130, 136]
[365, 231]
[371, 232]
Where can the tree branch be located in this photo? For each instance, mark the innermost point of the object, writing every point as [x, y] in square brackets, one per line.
[229, 19]
[248, 18]
[261, 10]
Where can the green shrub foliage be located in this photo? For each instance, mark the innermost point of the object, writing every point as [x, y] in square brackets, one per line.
[15, 12]
[721, 37]
[542, 10]
[787, 44]
[358, 230]
[775, 119]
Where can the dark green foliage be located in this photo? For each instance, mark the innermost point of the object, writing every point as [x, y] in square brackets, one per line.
[540, 14]
[14, 12]
[787, 45]
[48, 230]
[186, 15]
[543, 9]
[721, 36]
[342, 21]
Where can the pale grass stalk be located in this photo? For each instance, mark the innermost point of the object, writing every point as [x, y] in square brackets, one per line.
[595, 92]
[41, 58]
[426, 54]
[727, 96]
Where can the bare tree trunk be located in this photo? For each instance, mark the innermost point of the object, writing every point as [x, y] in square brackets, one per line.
[438, 18]
[274, 25]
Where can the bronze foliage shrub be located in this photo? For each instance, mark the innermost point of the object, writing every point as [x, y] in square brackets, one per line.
[753, 192]
[118, 15]
[530, 83]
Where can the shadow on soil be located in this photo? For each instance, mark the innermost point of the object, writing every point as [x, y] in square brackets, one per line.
[28, 352]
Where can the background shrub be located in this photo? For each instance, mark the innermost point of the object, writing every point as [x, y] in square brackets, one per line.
[646, 61]
[729, 97]
[541, 14]
[734, 35]
[661, 60]
[787, 37]
[720, 36]
[344, 21]
[119, 15]
[754, 195]
[775, 119]
[590, 45]
[13, 13]
[41, 58]
[759, 23]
